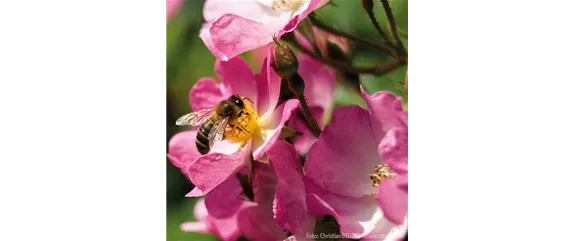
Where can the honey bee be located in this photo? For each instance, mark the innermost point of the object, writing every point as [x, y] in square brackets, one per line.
[233, 118]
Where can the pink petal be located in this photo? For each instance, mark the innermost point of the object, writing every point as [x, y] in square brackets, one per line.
[264, 184]
[232, 35]
[292, 24]
[387, 231]
[393, 150]
[205, 35]
[345, 154]
[319, 83]
[213, 9]
[212, 169]
[257, 224]
[182, 151]
[359, 216]
[386, 112]
[290, 207]
[392, 196]
[303, 142]
[271, 128]
[200, 210]
[262, 89]
[269, 87]
[226, 228]
[226, 199]
[206, 93]
[258, 55]
[399, 233]
[199, 227]
[237, 78]
[303, 40]
[172, 6]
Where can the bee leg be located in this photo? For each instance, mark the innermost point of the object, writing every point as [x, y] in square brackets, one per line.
[243, 144]
[241, 128]
[239, 115]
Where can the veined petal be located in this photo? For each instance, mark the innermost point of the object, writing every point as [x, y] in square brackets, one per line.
[205, 35]
[237, 78]
[257, 224]
[290, 207]
[212, 169]
[206, 93]
[226, 199]
[345, 154]
[225, 228]
[262, 89]
[273, 86]
[232, 35]
[182, 151]
[271, 128]
[392, 196]
[393, 150]
[358, 216]
[264, 184]
[256, 221]
[386, 112]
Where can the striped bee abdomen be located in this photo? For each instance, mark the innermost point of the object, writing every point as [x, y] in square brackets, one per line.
[201, 141]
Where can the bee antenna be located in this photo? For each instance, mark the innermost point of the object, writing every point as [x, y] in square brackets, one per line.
[245, 98]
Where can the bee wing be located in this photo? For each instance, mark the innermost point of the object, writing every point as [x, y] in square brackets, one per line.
[216, 134]
[195, 118]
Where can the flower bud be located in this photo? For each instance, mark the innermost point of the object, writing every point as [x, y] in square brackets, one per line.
[284, 63]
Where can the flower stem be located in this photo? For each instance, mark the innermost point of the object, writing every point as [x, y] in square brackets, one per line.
[393, 26]
[326, 27]
[379, 69]
[294, 84]
[368, 6]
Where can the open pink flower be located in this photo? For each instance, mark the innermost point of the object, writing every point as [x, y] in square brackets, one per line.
[234, 27]
[208, 171]
[172, 6]
[340, 167]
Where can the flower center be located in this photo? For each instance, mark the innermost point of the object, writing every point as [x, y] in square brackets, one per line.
[242, 127]
[380, 173]
[286, 5]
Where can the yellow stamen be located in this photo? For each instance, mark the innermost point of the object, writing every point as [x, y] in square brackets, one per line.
[381, 172]
[286, 5]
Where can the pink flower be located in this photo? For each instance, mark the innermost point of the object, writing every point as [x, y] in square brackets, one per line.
[208, 171]
[172, 6]
[234, 27]
[218, 212]
[340, 177]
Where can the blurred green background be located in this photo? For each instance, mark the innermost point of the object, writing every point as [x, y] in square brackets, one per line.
[188, 60]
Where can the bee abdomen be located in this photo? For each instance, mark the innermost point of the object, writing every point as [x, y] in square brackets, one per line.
[201, 141]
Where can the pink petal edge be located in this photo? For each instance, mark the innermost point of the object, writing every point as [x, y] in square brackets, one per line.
[290, 208]
[271, 129]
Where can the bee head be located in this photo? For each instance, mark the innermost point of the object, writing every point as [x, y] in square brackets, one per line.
[237, 100]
